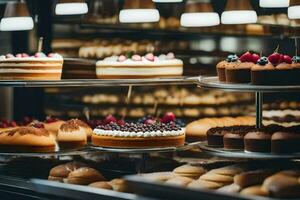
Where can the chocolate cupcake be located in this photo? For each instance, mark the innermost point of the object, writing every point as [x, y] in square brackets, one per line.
[231, 60]
[258, 141]
[284, 73]
[234, 140]
[285, 142]
[296, 70]
[215, 136]
[263, 72]
[241, 72]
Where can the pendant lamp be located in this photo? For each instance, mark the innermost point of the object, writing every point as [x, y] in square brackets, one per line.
[274, 3]
[294, 9]
[71, 7]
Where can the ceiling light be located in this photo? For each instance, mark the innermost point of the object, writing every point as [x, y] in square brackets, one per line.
[167, 1]
[139, 15]
[199, 14]
[16, 17]
[294, 10]
[71, 7]
[238, 12]
[139, 11]
[274, 3]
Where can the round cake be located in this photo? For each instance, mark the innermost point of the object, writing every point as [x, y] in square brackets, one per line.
[136, 66]
[138, 135]
[25, 67]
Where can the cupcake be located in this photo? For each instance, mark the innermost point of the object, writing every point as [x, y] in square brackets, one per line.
[284, 70]
[241, 72]
[231, 60]
[263, 72]
[296, 70]
[258, 141]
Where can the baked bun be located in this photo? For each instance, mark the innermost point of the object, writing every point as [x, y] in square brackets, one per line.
[26, 138]
[119, 185]
[219, 178]
[101, 185]
[233, 188]
[179, 181]
[203, 184]
[52, 127]
[158, 176]
[72, 134]
[84, 176]
[61, 172]
[255, 190]
[189, 171]
[250, 178]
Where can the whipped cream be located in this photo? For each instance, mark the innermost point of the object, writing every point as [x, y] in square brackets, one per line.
[114, 133]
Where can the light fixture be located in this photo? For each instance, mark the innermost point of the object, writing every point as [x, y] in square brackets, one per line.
[139, 11]
[71, 7]
[167, 1]
[238, 12]
[199, 14]
[274, 3]
[16, 17]
[294, 9]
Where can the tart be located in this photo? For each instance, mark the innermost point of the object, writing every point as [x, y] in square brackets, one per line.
[25, 67]
[137, 135]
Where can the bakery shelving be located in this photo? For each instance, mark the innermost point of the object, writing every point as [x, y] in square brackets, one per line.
[100, 82]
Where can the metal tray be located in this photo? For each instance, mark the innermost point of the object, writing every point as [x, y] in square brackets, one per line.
[244, 154]
[163, 191]
[214, 83]
[187, 146]
[184, 80]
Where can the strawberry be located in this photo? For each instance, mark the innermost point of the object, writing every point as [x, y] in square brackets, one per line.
[121, 122]
[122, 58]
[149, 121]
[19, 55]
[281, 60]
[13, 124]
[255, 58]
[274, 58]
[287, 59]
[246, 57]
[149, 56]
[25, 55]
[110, 119]
[168, 117]
[136, 58]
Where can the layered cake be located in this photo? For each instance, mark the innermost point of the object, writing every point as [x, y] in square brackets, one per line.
[36, 67]
[77, 68]
[137, 66]
[137, 135]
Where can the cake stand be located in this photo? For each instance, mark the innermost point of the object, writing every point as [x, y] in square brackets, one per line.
[259, 90]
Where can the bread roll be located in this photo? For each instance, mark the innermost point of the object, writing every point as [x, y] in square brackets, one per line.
[224, 179]
[101, 185]
[84, 176]
[60, 172]
[189, 171]
[250, 178]
[255, 190]
[203, 184]
[119, 185]
[158, 176]
[179, 181]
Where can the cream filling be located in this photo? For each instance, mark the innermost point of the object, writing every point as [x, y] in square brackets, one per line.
[114, 133]
[140, 71]
[49, 71]
[144, 62]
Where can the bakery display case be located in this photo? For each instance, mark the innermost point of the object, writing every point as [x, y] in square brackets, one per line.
[119, 99]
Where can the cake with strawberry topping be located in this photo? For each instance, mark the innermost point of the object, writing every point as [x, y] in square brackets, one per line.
[136, 66]
[284, 70]
[149, 133]
[241, 72]
[36, 67]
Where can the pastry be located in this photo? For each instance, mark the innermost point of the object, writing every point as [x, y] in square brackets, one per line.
[282, 186]
[203, 184]
[219, 178]
[60, 172]
[26, 139]
[255, 190]
[73, 134]
[148, 66]
[230, 170]
[189, 171]
[158, 176]
[215, 136]
[284, 71]
[179, 181]
[263, 72]
[285, 142]
[119, 185]
[25, 67]
[135, 135]
[234, 138]
[233, 188]
[231, 61]
[240, 72]
[52, 126]
[84, 176]
[101, 185]
[258, 141]
[251, 178]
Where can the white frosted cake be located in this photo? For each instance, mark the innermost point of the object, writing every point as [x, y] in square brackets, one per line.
[148, 66]
[25, 67]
